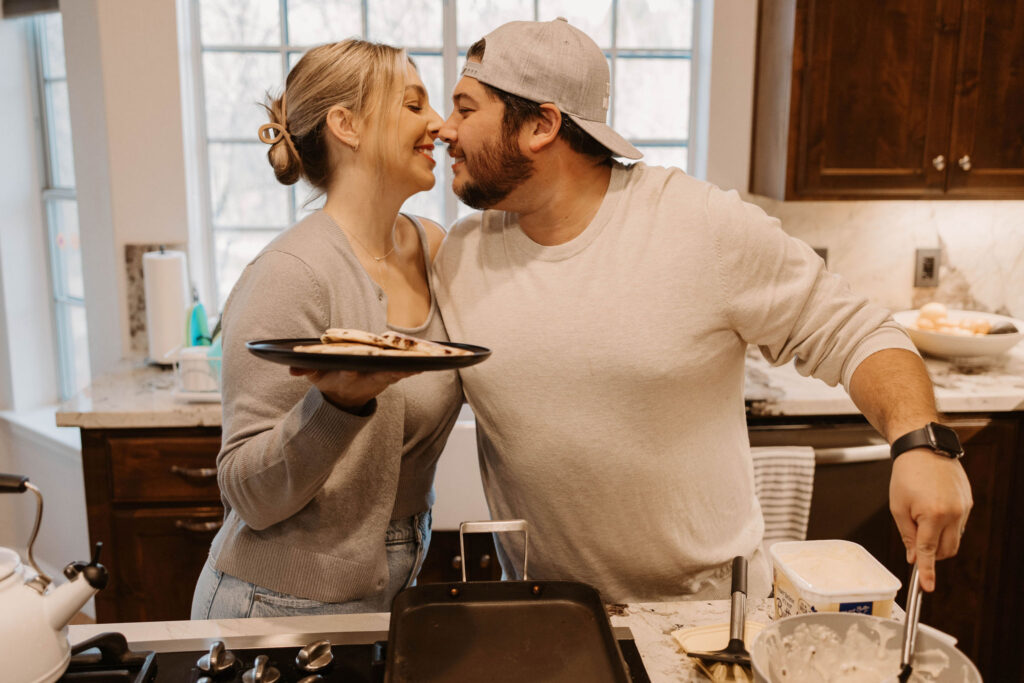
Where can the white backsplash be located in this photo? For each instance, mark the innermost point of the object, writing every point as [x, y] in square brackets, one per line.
[872, 244]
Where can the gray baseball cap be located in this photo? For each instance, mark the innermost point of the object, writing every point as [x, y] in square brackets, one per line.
[553, 61]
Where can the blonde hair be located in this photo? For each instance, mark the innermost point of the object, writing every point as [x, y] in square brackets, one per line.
[356, 74]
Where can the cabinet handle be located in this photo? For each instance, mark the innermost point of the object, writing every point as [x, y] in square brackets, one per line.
[198, 527]
[197, 473]
[939, 163]
[965, 163]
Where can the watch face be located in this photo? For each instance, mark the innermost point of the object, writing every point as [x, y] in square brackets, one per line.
[945, 439]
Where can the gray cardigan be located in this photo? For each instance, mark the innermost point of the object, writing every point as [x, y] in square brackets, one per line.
[309, 489]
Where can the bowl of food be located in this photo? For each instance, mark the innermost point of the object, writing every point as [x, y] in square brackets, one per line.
[821, 647]
[952, 333]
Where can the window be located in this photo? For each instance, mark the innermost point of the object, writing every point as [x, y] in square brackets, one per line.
[61, 208]
[245, 47]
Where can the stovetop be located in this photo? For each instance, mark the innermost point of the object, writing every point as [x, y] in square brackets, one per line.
[106, 659]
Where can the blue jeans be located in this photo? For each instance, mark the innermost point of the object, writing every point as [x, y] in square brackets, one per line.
[222, 596]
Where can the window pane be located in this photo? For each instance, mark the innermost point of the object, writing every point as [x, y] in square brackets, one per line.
[652, 98]
[593, 17]
[74, 342]
[243, 189]
[53, 45]
[312, 22]
[412, 23]
[58, 121]
[236, 83]
[655, 24]
[66, 248]
[664, 156]
[476, 18]
[234, 250]
[431, 71]
[240, 22]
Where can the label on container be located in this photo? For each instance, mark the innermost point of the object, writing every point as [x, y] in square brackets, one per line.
[789, 601]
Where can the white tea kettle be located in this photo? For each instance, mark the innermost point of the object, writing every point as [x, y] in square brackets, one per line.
[33, 613]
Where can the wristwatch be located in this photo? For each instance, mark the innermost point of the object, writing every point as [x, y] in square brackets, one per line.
[940, 438]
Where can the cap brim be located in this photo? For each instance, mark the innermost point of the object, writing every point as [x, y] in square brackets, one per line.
[603, 133]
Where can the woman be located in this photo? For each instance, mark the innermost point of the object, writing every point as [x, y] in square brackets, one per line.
[326, 480]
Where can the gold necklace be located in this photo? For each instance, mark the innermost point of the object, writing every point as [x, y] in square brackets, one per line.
[382, 270]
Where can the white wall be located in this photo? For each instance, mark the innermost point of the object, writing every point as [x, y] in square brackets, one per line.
[123, 82]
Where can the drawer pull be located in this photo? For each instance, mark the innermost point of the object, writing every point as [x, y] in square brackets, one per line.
[195, 473]
[197, 526]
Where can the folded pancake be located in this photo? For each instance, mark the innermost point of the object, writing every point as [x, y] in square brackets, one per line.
[342, 341]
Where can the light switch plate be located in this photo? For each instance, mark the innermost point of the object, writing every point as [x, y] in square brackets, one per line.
[926, 267]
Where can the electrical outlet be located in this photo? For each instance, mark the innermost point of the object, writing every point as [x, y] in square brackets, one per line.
[926, 267]
[823, 253]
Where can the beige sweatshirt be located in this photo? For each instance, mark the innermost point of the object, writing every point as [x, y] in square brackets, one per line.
[611, 415]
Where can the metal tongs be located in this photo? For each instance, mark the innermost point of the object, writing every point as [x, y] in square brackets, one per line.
[910, 626]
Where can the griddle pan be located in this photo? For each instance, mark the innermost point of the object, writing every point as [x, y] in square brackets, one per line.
[502, 631]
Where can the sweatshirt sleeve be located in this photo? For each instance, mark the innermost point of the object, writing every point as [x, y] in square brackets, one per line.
[281, 438]
[779, 296]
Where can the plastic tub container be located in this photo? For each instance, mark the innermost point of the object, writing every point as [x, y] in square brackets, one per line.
[830, 576]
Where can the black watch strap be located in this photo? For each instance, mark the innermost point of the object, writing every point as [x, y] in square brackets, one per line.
[940, 438]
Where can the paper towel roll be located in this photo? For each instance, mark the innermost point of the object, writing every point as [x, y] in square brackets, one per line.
[165, 279]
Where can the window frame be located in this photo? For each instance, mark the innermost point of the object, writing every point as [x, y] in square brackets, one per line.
[61, 302]
[451, 55]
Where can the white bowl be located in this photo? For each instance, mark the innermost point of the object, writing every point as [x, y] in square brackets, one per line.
[953, 346]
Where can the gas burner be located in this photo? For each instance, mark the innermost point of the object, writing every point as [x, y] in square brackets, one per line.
[106, 659]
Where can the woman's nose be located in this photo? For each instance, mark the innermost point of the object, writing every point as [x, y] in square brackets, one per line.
[434, 123]
[447, 131]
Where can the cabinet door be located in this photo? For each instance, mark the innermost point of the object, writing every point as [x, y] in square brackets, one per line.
[159, 553]
[877, 91]
[987, 146]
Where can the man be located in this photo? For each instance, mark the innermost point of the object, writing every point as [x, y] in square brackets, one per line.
[619, 302]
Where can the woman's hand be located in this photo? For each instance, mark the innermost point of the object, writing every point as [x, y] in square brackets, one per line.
[349, 390]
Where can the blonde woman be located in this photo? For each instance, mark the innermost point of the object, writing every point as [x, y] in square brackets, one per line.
[326, 477]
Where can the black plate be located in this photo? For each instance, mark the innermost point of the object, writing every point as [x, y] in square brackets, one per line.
[282, 351]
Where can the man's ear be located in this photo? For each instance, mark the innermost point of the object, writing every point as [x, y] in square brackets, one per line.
[545, 129]
[343, 126]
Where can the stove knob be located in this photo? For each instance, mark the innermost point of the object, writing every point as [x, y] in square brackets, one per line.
[217, 660]
[261, 672]
[315, 656]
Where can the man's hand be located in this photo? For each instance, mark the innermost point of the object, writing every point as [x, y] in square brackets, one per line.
[930, 499]
[350, 390]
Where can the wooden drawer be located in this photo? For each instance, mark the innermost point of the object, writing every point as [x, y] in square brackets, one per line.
[163, 469]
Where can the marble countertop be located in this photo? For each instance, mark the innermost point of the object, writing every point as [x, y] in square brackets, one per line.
[651, 624]
[136, 395]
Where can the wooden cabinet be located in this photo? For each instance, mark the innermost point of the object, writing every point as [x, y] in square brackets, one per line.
[977, 598]
[152, 499]
[889, 99]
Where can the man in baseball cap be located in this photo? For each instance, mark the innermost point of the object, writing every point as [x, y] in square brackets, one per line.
[619, 302]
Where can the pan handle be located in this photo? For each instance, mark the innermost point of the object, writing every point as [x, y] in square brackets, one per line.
[493, 526]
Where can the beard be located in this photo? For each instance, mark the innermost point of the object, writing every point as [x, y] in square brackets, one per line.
[498, 169]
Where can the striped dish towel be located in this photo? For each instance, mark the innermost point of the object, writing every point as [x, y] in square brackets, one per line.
[783, 482]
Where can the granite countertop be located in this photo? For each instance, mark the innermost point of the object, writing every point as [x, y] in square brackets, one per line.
[136, 395]
[650, 623]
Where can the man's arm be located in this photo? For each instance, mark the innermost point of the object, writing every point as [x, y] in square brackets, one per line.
[929, 494]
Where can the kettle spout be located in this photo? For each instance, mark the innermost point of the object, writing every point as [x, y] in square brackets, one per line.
[64, 602]
[84, 581]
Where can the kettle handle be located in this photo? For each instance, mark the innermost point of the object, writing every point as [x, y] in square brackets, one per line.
[13, 483]
[17, 483]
